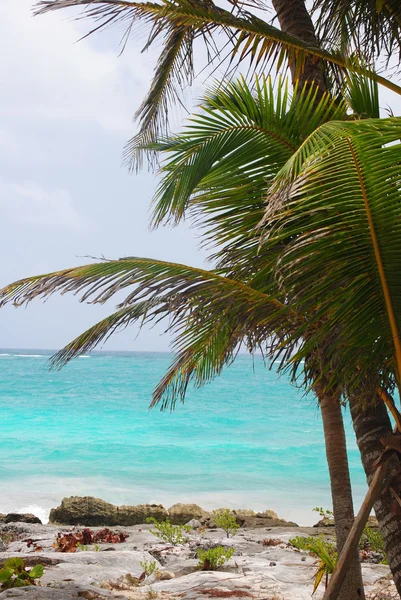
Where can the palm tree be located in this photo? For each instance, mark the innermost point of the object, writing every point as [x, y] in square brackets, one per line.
[335, 216]
[251, 136]
[251, 38]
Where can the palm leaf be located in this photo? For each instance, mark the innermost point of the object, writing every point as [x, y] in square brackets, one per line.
[209, 315]
[336, 207]
[179, 23]
[362, 95]
[371, 25]
[218, 170]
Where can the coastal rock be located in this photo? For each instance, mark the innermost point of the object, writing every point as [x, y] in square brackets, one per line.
[2, 517]
[194, 523]
[90, 511]
[179, 514]
[267, 514]
[137, 515]
[164, 575]
[70, 592]
[86, 510]
[260, 521]
[373, 523]
[21, 518]
[241, 512]
[325, 522]
[2, 546]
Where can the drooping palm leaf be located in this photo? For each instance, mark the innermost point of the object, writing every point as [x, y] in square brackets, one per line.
[210, 315]
[179, 23]
[372, 26]
[340, 198]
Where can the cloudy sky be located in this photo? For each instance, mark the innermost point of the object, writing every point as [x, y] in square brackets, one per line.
[66, 111]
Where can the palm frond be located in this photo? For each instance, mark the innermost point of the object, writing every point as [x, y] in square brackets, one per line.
[179, 23]
[371, 26]
[362, 95]
[337, 211]
[210, 315]
[218, 170]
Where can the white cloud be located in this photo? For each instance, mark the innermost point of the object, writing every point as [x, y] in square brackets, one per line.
[31, 204]
[51, 76]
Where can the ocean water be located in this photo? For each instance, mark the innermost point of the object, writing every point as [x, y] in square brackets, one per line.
[247, 440]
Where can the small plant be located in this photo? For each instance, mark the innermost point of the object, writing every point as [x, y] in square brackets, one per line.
[151, 594]
[72, 542]
[82, 547]
[328, 514]
[325, 551]
[372, 540]
[14, 574]
[271, 542]
[148, 566]
[210, 560]
[226, 521]
[172, 534]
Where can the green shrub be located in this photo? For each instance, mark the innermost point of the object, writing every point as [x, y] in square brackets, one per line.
[148, 566]
[325, 514]
[374, 540]
[226, 521]
[14, 574]
[325, 551]
[172, 534]
[209, 560]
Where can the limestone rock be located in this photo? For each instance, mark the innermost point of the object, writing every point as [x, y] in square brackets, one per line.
[194, 523]
[91, 511]
[21, 518]
[372, 523]
[244, 513]
[85, 510]
[325, 522]
[164, 575]
[2, 517]
[2, 546]
[268, 514]
[69, 592]
[137, 515]
[179, 514]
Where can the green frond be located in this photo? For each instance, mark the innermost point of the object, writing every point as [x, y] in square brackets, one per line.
[174, 70]
[218, 170]
[178, 23]
[336, 209]
[362, 95]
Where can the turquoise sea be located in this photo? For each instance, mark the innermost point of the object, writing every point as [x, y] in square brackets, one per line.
[247, 440]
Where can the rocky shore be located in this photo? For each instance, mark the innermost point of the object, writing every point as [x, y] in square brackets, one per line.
[263, 565]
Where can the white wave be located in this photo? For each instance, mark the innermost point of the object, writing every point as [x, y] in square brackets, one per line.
[30, 355]
[36, 510]
[4, 354]
[85, 356]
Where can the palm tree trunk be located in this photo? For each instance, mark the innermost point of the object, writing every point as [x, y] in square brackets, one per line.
[337, 459]
[372, 422]
[295, 19]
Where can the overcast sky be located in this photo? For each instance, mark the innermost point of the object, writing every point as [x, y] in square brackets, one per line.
[66, 111]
